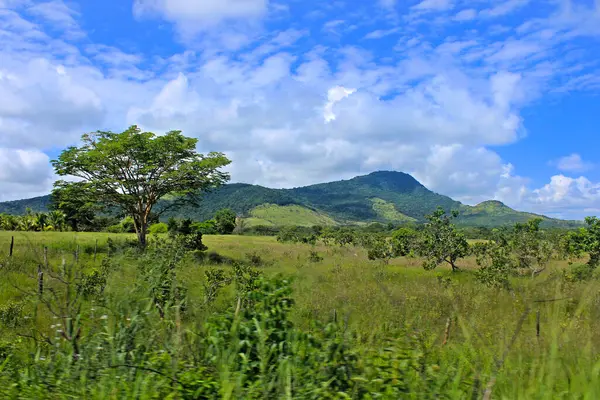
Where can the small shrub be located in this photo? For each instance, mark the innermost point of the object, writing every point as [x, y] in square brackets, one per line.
[216, 279]
[579, 273]
[206, 228]
[115, 229]
[314, 257]
[255, 259]
[161, 227]
[11, 314]
[93, 283]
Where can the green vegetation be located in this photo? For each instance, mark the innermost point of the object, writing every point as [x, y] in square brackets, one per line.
[378, 197]
[256, 318]
[291, 215]
[132, 171]
[387, 211]
[326, 310]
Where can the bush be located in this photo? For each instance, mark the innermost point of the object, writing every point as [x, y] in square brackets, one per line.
[158, 228]
[208, 227]
[115, 229]
[578, 273]
[11, 314]
[128, 225]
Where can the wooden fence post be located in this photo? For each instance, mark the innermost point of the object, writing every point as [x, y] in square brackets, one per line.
[95, 250]
[12, 245]
[40, 281]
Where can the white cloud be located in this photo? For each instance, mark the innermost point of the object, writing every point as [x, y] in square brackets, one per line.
[290, 115]
[59, 15]
[566, 197]
[504, 7]
[433, 5]
[26, 172]
[380, 33]
[192, 16]
[334, 95]
[573, 163]
[465, 15]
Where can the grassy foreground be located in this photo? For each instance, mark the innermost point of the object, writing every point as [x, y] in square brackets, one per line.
[346, 327]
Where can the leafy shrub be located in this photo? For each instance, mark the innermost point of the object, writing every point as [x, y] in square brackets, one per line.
[161, 227]
[11, 314]
[255, 259]
[92, 283]
[192, 241]
[405, 242]
[216, 279]
[315, 257]
[295, 234]
[578, 273]
[115, 229]
[206, 228]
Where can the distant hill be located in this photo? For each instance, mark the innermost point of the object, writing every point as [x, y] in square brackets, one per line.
[382, 196]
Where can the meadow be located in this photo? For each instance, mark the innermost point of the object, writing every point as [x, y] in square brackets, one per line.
[254, 318]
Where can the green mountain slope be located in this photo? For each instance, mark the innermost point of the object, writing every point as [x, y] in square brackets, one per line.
[275, 215]
[383, 196]
[18, 207]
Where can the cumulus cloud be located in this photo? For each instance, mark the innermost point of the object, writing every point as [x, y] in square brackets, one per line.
[193, 16]
[573, 163]
[26, 172]
[289, 117]
[567, 197]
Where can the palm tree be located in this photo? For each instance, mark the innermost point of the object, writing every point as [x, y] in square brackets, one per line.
[8, 222]
[57, 219]
[27, 223]
[41, 220]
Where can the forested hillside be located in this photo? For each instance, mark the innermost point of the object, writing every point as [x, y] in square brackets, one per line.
[382, 196]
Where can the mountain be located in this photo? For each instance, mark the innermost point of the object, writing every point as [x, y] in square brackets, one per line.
[382, 196]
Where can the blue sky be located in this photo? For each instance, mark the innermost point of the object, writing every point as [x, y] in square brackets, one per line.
[477, 99]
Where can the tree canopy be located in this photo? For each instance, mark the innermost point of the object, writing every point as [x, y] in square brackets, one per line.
[133, 170]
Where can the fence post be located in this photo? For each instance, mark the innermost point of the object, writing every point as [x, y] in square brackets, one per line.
[537, 323]
[40, 281]
[95, 250]
[12, 245]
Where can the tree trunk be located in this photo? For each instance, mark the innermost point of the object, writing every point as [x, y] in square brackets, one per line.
[453, 265]
[141, 234]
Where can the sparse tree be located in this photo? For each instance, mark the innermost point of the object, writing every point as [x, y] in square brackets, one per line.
[441, 241]
[405, 242]
[591, 240]
[531, 248]
[133, 170]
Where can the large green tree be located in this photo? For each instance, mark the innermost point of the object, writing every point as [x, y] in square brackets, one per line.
[225, 221]
[133, 170]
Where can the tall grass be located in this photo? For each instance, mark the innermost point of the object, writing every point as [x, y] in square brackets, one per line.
[284, 324]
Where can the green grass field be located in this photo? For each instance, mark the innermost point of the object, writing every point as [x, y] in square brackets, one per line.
[540, 341]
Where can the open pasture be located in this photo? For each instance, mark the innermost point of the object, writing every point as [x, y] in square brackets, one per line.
[540, 340]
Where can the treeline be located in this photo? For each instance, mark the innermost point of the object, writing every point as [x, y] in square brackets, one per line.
[524, 249]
